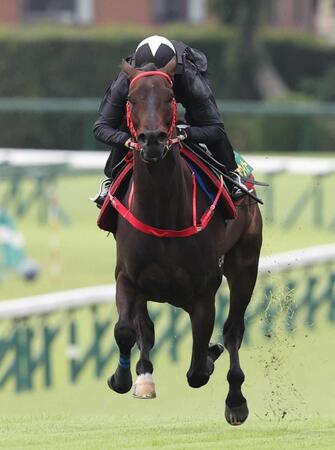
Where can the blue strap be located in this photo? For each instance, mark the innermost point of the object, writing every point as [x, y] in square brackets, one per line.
[124, 361]
[200, 182]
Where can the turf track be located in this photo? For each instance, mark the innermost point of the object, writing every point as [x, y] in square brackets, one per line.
[289, 386]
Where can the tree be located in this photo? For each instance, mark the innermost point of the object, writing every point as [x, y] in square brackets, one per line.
[226, 10]
[251, 74]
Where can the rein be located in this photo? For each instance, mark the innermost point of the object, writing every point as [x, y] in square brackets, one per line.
[171, 141]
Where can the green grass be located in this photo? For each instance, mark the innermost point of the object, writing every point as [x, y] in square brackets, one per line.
[289, 379]
[103, 432]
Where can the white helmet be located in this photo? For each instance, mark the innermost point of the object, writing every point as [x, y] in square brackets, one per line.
[154, 49]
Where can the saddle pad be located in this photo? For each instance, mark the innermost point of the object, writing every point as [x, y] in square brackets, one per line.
[107, 219]
[243, 168]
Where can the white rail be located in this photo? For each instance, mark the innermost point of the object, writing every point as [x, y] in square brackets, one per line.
[295, 259]
[75, 160]
[95, 160]
[78, 298]
[56, 301]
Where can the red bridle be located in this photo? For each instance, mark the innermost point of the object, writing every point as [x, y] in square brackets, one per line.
[130, 122]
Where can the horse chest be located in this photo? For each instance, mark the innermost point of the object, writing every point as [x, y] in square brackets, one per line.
[164, 283]
[172, 276]
[174, 271]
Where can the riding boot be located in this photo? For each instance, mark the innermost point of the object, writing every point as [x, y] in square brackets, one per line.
[100, 197]
[235, 191]
[114, 159]
[223, 152]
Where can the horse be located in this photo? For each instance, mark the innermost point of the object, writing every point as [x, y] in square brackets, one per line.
[162, 257]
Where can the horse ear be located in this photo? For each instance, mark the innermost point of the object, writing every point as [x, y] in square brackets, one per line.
[128, 69]
[170, 67]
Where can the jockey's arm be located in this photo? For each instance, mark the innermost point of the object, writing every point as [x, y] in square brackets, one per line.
[205, 122]
[207, 134]
[206, 126]
[112, 113]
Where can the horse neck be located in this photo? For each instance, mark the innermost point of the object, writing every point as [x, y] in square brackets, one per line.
[163, 192]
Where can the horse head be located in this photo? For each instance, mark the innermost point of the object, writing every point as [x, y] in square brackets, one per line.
[151, 109]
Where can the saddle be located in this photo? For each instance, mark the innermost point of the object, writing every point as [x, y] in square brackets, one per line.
[206, 175]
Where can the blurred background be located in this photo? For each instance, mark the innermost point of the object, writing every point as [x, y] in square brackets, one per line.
[272, 70]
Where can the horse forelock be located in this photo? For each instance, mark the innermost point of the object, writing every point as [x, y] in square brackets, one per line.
[148, 67]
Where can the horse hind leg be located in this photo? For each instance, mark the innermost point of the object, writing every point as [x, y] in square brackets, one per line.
[241, 265]
[125, 335]
[144, 387]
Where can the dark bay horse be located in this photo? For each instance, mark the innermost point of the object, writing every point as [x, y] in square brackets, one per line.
[183, 271]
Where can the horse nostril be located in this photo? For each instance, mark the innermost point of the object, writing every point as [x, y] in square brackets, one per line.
[142, 138]
[162, 137]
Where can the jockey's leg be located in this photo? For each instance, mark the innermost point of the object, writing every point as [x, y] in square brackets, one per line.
[115, 157]
[223, 152]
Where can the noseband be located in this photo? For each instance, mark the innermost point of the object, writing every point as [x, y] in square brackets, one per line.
[171, 141]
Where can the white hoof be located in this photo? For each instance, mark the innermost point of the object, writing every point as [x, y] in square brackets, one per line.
[144, 387]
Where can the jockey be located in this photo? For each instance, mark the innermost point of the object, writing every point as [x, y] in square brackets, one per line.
[191, 89]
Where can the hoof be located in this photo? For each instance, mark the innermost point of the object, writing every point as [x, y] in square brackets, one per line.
[197, 381]
[237, 415]
[121, 382]
[215, 351]
[144, 387]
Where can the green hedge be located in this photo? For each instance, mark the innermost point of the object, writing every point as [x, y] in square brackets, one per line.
[281, 134]
[64, 63]
[81, 65]
[77, 63]
[298, 57]
[50, 130]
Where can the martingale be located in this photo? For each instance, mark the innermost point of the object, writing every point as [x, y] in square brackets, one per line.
[206, 180]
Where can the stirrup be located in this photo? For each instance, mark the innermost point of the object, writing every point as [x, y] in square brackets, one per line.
[235, 192]
[99, 198]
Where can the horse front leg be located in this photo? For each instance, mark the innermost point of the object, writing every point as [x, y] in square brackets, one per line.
[125, 334]
[144, 387]
[241, 266]
[202, 317]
